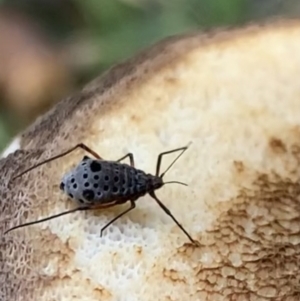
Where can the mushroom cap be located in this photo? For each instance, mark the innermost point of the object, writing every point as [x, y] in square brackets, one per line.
[235, 94]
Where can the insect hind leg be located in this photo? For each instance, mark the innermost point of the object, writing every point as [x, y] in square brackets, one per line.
[87, 149]
[68, 151]
[132, 206]
[131, 159]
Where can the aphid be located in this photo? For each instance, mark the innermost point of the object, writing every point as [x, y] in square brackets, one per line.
[97, 184]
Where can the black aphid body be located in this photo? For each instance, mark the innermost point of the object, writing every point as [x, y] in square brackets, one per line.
[103, 182]
[98, 184]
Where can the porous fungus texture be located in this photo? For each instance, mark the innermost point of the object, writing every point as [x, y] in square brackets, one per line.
[235, 95]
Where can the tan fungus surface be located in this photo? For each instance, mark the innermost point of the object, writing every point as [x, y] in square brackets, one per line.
[234, 94]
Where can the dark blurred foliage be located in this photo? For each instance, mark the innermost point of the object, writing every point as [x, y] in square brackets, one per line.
[49, 48]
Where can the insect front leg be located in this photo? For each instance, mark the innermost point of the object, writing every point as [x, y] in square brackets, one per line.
[158, 164]
[131, 158]
[132, 206]
[168, 212]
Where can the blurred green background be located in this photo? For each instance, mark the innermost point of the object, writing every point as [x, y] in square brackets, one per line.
[49, 48]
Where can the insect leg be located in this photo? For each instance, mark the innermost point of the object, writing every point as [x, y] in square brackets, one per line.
[80, 145]
[168, 212]
[48, 218]
[132, 206]
[131, 158]
[182, 149]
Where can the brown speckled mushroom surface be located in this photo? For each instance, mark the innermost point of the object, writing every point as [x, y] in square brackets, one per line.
[236, 95]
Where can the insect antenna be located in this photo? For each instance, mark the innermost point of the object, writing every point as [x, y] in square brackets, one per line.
[47, 218]
[175, 182]
[182, 149]
[168, 212]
